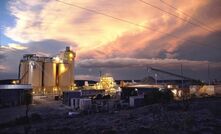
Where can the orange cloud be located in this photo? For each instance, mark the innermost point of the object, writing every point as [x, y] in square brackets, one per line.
[99, 36]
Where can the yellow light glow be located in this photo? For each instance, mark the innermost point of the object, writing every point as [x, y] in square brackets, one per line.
[14, 82]
[55, 89]
[62, 68]
[174, 91]
[71, 55]
[57, 59]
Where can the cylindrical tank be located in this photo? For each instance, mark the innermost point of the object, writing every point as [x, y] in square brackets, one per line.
[31, 73]
[49, 78]
[35, 76]
[23, 72]
[65, 76]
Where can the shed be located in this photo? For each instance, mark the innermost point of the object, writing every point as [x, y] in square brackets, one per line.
[13, 95]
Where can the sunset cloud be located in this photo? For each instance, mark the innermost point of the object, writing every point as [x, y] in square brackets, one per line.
[125, 33]
[13, 46]
[41, 20]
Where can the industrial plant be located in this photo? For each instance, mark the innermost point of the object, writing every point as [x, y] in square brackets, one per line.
[54, 76]
[49, 83]
[48, 75]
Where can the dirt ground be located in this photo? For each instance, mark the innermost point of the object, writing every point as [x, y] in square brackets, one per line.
[202, 116]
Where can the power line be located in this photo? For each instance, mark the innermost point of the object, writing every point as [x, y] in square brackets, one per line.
[183, 19]
[104, 14]
[187, 15]
[113, 17]
[126, 21]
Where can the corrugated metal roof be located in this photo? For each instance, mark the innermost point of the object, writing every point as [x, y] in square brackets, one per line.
[12, 86]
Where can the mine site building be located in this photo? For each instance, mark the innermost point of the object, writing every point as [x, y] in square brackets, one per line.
[48, 75]
[14, 95]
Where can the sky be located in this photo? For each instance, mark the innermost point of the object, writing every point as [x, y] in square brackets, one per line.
[117, 37]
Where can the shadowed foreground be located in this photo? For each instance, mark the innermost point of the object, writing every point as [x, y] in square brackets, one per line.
[203, 116]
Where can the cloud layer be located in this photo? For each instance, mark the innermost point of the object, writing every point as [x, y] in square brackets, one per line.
[133, 62]
[95, 32]
[155, 37]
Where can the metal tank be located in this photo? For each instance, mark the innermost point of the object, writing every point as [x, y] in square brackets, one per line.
[23, 72]
[35, 76]
[49, 78]
[48, 74]
[65, 70]
[30, 72]
[65, 76]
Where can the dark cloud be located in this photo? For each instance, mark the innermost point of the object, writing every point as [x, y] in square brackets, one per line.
[2, 56]
[51, 47]
[209, 49]
[10, 58]
[134, 62]
[8, 75]
[212, 11]
[132, 68]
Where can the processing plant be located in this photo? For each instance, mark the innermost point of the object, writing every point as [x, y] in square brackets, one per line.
[48, 75]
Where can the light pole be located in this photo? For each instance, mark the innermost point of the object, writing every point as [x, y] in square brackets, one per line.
[155, 79]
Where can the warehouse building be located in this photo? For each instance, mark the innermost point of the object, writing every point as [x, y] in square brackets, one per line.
[91, 93]
[14, 95]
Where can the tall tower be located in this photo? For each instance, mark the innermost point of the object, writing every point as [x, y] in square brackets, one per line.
[66, 70]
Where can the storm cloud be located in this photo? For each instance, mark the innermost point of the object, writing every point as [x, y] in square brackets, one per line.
[152, 37]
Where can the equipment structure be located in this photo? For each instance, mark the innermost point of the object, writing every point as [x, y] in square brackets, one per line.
[48, 75]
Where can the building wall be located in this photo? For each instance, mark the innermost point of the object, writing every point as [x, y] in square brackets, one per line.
[13, 97]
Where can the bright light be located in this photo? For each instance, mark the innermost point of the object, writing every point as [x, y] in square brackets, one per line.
[71, 55]
[169, 86]
[58, 59]
[119, 89]
[14, 82]
[55, 89]
[62, 68]
[174, 91]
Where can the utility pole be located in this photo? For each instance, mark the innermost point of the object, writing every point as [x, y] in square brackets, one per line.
[100, 73]
[181, 69]
[208, 73]
[155, 78]
[148, 71]
[184, 95]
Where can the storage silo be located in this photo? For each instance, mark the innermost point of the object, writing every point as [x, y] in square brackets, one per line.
[23, 72]
[65, 76]
[65, 70]
[35, 76]
[30, 72]
[49, 77]
[48, 74]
